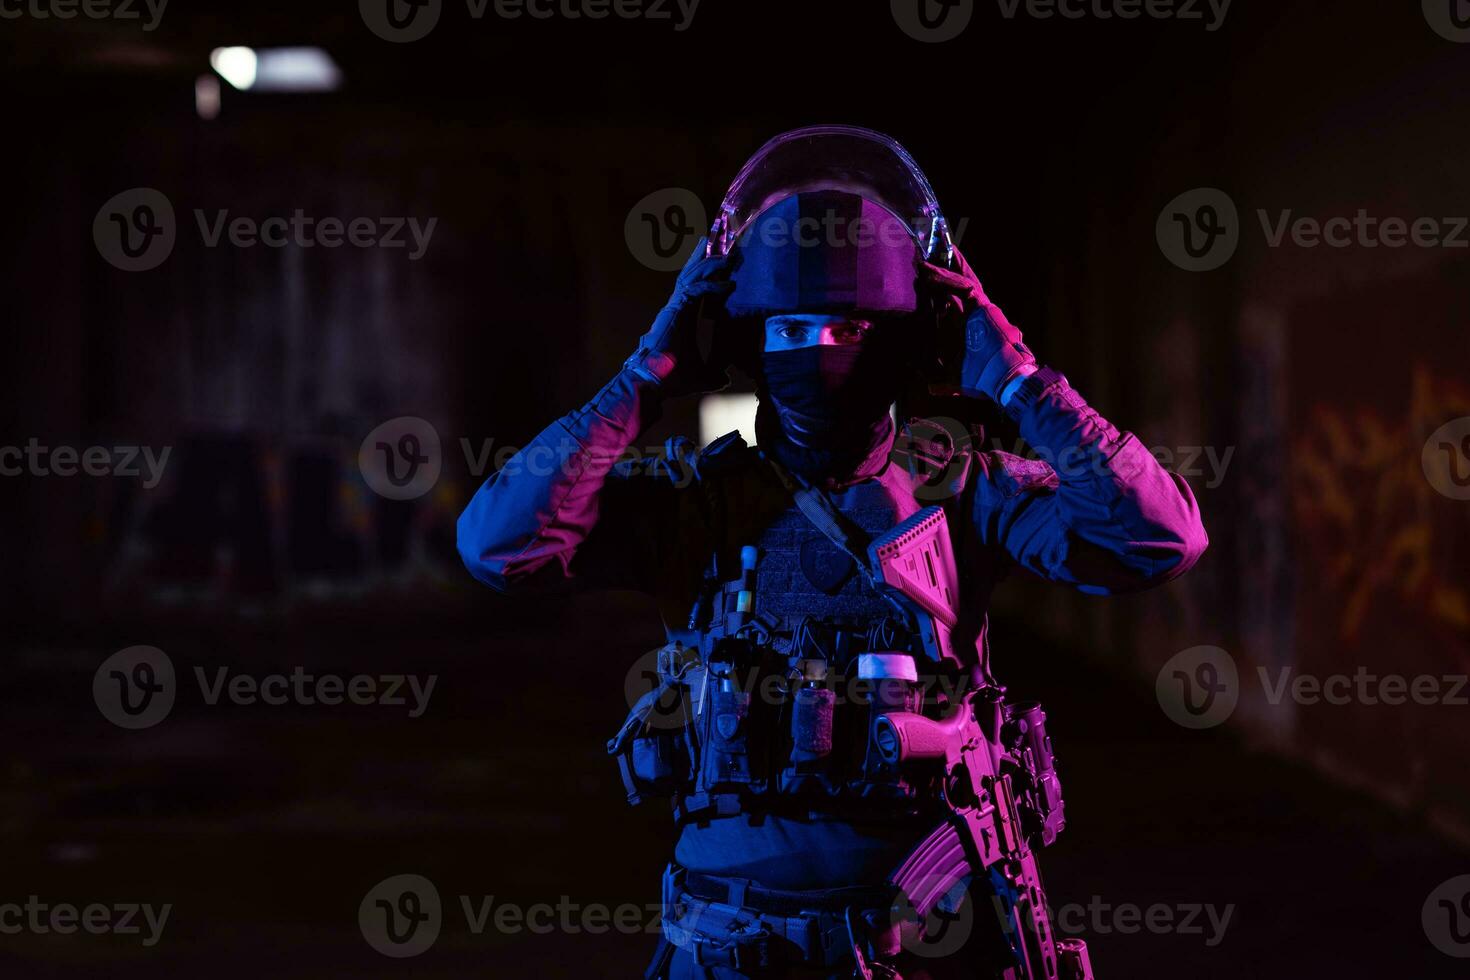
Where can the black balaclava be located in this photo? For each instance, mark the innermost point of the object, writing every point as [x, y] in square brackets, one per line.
[824, 411]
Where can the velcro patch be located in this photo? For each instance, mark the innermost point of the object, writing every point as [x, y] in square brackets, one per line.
[1015, 475]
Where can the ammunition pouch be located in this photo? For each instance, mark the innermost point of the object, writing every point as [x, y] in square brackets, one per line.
[652, 746]
[751, 731]
[755, 729]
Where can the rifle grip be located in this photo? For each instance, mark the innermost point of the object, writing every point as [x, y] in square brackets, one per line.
[903, 736]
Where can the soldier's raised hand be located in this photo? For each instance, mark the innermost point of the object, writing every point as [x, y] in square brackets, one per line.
[993, 352]
[668, 354]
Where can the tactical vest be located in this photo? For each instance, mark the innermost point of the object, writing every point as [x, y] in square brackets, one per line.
[767, 701]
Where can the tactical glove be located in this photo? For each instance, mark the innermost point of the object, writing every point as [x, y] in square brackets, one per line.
[994, 354]
[669, 353]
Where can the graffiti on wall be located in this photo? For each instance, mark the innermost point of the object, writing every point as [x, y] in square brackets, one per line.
[1370, 516]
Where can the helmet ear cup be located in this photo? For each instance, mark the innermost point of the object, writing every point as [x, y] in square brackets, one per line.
[941, 245]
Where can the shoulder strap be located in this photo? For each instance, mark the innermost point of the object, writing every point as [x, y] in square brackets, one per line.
[820, 510]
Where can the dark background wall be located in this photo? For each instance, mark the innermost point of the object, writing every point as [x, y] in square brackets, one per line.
[1321, 372]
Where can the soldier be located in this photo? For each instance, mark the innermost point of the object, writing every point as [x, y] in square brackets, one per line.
[844, 769]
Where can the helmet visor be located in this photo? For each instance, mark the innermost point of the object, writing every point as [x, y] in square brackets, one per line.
[834, 158]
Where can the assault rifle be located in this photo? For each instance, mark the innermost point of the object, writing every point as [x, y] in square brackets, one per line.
[999, 777]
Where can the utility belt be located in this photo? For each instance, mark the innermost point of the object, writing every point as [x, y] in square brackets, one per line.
[731, 923]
